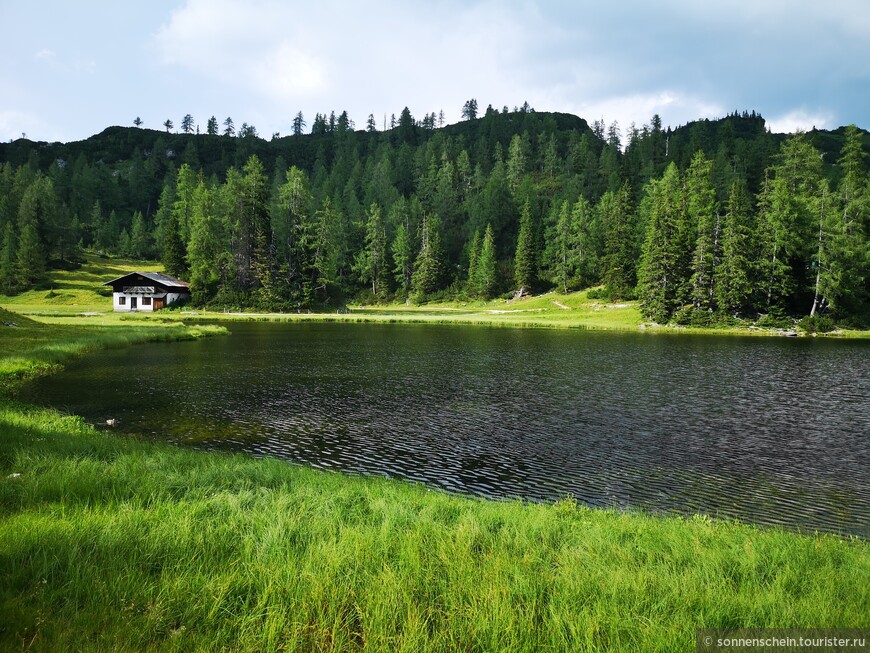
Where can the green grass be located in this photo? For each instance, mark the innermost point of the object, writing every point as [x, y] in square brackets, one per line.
[75, 298]
[37, 347]
[112, 544]
[77, 291]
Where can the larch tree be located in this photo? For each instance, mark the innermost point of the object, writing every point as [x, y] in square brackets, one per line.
[187, 124]
[229, 127]
[299, 124]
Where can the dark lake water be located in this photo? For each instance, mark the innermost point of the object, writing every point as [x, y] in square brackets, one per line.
[771, 431]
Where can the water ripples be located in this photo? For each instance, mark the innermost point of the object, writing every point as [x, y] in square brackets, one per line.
[764, 430]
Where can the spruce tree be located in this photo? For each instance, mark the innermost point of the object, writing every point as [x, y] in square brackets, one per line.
[586, 242]
[429, 266]
[736, 268]
[140, 240]
[472, 285]
[661, 279]
[403, 259]
[843, 258]
[526, 258]
[703, 214]
[787, 221]
[31, 258]
[371, 261]
[174, 252]
[487, 265]
[620, 256]
[563, 260]
[8, 259]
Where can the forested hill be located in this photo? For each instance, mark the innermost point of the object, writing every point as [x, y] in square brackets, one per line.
[717, 217]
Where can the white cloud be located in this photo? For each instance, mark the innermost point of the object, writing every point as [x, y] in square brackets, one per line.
[800, 119]
[672, 107]
[45, 55]
[250, 46]
[287, 72]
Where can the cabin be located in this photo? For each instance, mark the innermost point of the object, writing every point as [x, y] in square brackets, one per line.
[146, 291]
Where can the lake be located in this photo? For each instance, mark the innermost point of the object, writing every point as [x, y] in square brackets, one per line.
[767, 430]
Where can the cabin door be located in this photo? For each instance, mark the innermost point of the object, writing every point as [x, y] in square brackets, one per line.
[158, 303]
[134, 303]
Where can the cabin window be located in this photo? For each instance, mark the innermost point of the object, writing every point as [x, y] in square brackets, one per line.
[146, 301]
[122, 300]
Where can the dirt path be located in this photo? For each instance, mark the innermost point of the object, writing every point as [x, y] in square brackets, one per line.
[561, 305]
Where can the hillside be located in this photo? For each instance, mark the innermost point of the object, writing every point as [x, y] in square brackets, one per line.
[318, 219]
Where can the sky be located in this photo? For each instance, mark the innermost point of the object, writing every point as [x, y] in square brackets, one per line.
[70, 69]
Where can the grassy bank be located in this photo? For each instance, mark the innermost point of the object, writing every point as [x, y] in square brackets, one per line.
[112, 544]
[76, 297]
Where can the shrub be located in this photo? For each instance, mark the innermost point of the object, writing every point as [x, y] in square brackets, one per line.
[817, 324]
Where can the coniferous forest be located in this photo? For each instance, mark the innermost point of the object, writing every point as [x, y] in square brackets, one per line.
[711, 222]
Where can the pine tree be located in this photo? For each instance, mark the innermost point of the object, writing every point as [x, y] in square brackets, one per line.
[324, 267]
[255, 226]
[211, 127]
[526, 258]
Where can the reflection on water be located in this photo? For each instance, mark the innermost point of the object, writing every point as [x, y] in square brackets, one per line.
[765, 430]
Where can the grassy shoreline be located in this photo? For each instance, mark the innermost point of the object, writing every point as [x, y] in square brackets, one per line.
[110, 543]
[75, 297]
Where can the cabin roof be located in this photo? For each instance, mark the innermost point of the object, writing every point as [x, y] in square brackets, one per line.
[157, 277]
